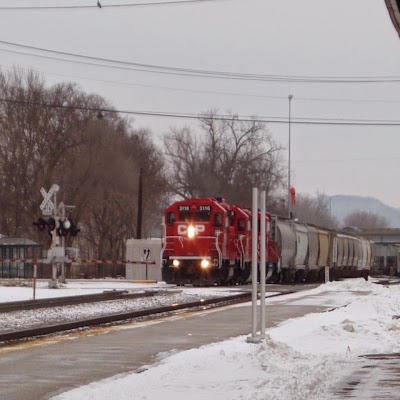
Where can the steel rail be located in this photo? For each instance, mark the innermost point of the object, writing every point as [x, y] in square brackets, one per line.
[71, 300]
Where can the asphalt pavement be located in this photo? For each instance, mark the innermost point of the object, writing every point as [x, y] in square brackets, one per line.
[45, 367]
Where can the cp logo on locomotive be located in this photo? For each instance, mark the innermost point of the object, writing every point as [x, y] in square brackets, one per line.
[182, 229]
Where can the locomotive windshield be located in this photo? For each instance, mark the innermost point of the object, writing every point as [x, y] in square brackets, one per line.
[198, 214]
[202, 216]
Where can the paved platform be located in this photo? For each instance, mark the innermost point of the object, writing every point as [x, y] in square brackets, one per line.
[378, 378]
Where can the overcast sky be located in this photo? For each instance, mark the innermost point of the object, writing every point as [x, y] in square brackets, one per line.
[313, 38]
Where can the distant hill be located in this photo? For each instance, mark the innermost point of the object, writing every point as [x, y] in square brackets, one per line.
[342, 205]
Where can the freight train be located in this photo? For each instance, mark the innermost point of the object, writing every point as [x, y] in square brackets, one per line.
[206, 241]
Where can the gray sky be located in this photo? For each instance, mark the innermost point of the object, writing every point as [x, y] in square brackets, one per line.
[316, 38]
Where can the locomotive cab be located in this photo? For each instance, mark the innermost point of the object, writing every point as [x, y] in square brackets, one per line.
[195, 242]
[240, 243]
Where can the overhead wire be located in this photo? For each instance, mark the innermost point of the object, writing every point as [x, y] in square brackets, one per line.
[213, 92]
[192, 72]
[94, 5]
[223, 117]
[385, 158]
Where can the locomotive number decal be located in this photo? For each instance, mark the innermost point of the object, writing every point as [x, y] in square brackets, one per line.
[184, 208]
[204, 208]
[182, 229]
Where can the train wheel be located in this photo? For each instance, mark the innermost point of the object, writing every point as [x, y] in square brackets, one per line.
[311, 276]
[272, 275]
[287, 276]
[299, 276]
[283, 276]
[245, 273]
[225, 274]
[321, 275]
[332, 275]
[168, 274]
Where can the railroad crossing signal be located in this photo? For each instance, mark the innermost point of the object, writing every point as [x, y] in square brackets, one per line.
[73, 230]
[67, 226]
[47, 205]
[59, 225]
[41, 224]
[51, 225]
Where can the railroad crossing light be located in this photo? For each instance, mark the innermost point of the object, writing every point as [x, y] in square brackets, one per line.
[51, 225]
[67, 226]
[63, 227]
[41, 224]
[74, 230]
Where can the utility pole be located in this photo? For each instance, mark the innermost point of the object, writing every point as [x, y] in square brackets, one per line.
[290, 97]
[140, 200]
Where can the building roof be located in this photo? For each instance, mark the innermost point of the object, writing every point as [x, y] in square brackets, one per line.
[21, 242]
[394, 12]
[385, 231]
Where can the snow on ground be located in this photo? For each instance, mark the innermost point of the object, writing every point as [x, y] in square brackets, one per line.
[84, 287]
[303, 358]
[163, 295]
[71, 288]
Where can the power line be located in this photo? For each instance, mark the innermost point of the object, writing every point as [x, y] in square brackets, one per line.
[154, 3]
[344, 100]
[214, 92]
[222, 117]
[341, 160]
[203, 73]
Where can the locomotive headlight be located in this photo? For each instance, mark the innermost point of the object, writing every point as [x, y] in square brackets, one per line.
[190, 231]
[205, 263]
[175, 263]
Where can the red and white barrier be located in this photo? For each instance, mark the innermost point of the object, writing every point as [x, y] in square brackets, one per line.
[79, 261]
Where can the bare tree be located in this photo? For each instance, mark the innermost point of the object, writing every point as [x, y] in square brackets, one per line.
[184, 152]
[366, 220]
[315, 210]
[226, 157]
[57, 135]
[34, 141]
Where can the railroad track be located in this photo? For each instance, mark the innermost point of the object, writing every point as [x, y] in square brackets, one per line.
[29, 333]
[72, 300]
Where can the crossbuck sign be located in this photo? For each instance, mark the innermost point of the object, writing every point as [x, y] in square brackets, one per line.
[47, 205]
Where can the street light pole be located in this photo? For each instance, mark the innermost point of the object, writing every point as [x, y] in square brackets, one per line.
[288, 190]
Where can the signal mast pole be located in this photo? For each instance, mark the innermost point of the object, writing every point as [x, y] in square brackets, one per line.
[290, 97]
[140, 206]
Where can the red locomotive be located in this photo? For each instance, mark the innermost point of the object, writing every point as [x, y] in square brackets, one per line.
[206, 242]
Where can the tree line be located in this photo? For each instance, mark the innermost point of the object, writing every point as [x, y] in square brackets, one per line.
[58, 134]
